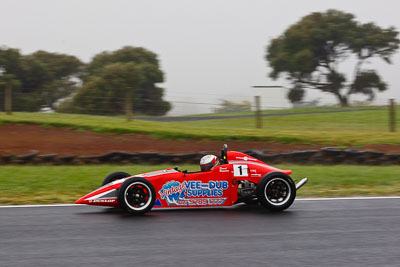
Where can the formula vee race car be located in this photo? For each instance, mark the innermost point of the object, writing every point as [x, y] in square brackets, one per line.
[232, 179]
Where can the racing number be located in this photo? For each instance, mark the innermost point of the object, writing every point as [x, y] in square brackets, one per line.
[240, 170]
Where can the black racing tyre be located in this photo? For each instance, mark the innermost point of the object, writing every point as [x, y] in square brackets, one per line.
[276, 191]
[136, 195]
[114, 176]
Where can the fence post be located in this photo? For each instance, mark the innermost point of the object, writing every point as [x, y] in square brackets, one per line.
[258, 112]
[128, 105]
[8, 99]
[392, 115]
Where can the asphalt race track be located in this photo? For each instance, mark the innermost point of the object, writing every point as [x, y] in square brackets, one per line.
[310, 233]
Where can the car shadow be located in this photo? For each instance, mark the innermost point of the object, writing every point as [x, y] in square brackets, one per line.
[236, 209]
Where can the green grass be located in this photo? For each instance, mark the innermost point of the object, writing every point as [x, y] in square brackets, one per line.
[289, 110]
[55, 184]
[65, 184]
[348, 128]
[341, 129]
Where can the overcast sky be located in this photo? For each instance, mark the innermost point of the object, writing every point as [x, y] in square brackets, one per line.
[208, 49]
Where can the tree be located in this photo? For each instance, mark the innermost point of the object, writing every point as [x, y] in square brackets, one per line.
[106, 93]
[25, 75]
[42, 77]
[310, 51]
[63, 72]
[120, 80]
[8, 81]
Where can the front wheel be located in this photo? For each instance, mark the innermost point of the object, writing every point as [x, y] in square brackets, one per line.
[114, 176]
[136, 195]
[276, 191]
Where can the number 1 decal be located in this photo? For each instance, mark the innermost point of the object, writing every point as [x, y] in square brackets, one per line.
[240, 170]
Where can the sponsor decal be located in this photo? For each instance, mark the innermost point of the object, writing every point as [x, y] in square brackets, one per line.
[255, 175]
[201, 201]
[157, 203]
[223, 169]
[102, 200]
[234, 181]
[246, 158]
[194, 193]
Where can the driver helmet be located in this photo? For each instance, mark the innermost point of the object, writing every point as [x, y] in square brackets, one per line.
[208, 162]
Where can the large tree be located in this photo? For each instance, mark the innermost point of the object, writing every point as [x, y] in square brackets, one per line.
[116, 81]
[308, 53]
[108, 91]
[39, 79]
[63, 72]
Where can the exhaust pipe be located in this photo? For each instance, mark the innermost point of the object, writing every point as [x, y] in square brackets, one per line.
[301, 183]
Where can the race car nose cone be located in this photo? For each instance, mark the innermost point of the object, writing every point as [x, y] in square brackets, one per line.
[81, 201]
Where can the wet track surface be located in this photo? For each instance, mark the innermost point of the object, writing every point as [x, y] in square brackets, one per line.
[310, 233]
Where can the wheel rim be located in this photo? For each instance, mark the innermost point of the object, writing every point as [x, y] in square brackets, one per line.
[137, 196]
[277, 191]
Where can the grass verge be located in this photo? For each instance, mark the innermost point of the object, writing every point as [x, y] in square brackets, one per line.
[339, 129]
[65, 184]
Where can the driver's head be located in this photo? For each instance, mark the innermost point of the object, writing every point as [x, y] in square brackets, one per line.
[208, 162]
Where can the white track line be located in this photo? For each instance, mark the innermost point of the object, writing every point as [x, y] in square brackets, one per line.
[297, 199]
[41, 205]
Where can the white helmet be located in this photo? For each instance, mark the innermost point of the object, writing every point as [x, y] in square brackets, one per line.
[208, 162]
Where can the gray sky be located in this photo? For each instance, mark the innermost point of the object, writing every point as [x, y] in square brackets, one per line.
[208, 49]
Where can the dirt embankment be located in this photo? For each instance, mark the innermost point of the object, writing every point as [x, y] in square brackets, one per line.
[22, 139]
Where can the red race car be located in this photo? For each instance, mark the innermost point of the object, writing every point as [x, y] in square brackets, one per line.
[232, 179]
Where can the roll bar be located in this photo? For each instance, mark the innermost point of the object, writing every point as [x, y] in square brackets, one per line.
[224, 158]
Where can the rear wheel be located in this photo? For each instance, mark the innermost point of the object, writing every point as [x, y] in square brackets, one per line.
[276, 191]
[114, 176]
[136, 195]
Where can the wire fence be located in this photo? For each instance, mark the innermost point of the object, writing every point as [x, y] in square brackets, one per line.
[197, 103]
[181, 105]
